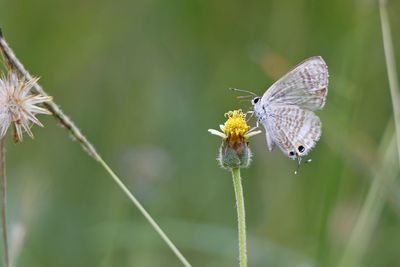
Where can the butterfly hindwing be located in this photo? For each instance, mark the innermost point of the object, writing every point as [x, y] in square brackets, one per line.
[294, 130]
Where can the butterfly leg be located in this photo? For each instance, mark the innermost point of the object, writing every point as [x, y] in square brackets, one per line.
[251, 112]
[298, 165]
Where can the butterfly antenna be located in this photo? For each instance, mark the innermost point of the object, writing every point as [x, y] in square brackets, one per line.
[251, 112]
[241, 90]
[244, 96]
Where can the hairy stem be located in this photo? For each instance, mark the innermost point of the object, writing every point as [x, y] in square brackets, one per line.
[237, 184]
[4, 202]
[69, 125]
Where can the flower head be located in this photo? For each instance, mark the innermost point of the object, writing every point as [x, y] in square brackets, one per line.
[18, 105]
[235, 128]
[234, 151]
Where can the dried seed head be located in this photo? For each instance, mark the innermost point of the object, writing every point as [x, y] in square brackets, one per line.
[18, 105]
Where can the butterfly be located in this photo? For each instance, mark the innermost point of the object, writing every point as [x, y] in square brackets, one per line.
[286, 110]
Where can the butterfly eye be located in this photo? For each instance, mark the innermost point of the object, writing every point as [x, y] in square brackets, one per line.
[255, 100]
[301, 149]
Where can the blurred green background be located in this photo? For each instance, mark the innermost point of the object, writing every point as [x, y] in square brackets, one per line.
[144, 80]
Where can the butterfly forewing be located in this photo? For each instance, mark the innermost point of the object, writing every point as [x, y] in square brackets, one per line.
[305, 86]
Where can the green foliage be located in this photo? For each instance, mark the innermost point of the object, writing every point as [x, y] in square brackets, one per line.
[144, 80]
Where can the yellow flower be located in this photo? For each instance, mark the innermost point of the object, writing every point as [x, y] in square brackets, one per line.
[235, 128]
[234, 151]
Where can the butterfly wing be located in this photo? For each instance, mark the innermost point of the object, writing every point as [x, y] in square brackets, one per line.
[306, 86]
[270, 141]
[294, 130]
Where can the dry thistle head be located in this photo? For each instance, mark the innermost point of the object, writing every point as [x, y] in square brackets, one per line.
[234, 151]
[18, 105]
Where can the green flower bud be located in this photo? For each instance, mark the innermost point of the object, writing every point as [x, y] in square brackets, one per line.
[234, 155]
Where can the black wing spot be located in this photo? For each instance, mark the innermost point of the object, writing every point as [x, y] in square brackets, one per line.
[291, 153]
[301, 149]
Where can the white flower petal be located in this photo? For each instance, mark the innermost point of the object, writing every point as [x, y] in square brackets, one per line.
[3, 129]
[26, 87]
[218, 133]
[18, 130]
[32, 118]
[37, 99]
[28, 130]
[38, 110]
[250, 134]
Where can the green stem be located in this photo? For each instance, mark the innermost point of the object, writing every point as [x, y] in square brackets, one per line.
[237, 184]
[144, 212]
[391, 69]
[4, 202]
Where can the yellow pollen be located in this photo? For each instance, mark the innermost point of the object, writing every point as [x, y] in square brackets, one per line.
[236, 126]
